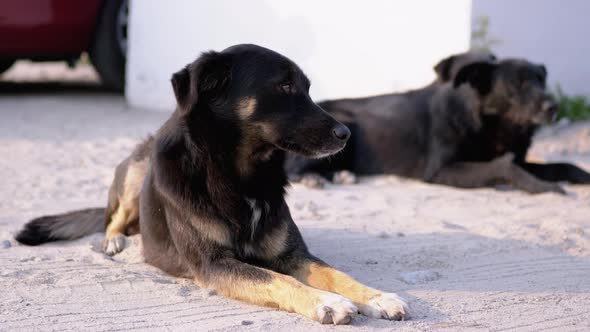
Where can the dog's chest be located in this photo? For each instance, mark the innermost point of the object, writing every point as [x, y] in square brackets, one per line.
[263, 241]
[260, 210]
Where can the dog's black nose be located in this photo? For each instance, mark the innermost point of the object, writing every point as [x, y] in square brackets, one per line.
[341, 132]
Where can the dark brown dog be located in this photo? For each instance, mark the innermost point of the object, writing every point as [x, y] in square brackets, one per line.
[448, 68]
[316, 173]
[471, 132]
[208, 190]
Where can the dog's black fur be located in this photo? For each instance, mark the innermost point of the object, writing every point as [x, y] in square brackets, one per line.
[463, 133]
[316, 173]
[513, 110]
[209, 160]
[447, 69]
[212, 204]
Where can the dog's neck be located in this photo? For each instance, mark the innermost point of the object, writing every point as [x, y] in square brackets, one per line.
[254, 167]
[497, 112]
[507, 135]
[261, 174]
[251, 152]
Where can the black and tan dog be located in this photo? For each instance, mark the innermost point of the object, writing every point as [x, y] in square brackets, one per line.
[208, 190]
[471, 132]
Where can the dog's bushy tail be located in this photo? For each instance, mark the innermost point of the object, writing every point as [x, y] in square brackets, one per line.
[66, 226]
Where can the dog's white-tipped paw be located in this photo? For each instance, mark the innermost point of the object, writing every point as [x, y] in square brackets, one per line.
[335, 309]
[344, 177]
[387, 306]
[114, 245]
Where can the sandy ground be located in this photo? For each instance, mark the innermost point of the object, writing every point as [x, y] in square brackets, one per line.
[466, 259]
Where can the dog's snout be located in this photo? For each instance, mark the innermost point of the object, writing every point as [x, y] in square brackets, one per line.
[341, 132]
[550, 106]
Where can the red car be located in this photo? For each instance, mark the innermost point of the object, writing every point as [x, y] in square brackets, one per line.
[42, 30]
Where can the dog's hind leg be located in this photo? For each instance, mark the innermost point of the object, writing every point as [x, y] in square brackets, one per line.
[313, 180]
[319, 181]
[125, 216]
[317, 173]
[344, 177]
[123, 206]
[371, 302]
[303, 170]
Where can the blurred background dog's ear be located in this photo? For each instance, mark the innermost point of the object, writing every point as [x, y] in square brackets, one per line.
[479, 75]
[201, 79]
[181, 85]
[543, 71]
[443, 68]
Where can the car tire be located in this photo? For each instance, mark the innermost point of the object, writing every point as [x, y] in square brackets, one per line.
[5, 65]
[108, 50]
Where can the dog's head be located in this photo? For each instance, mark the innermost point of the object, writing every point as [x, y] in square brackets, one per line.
[447, 69]
[265, 95]
[513, 89]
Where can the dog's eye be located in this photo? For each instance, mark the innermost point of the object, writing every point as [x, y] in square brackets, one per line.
[287, 87]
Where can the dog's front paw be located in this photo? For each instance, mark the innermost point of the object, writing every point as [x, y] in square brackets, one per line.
[335, 309]
[540, 186]
[387, 306]
[114, 245]
[556, 188]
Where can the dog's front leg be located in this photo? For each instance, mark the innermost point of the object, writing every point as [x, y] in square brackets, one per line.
[371, 302]
[558, 172]
[248, 283]
[208, 257]
[524, 180]
[499, 170]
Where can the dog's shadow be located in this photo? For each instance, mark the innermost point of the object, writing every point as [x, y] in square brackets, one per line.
[423, 267]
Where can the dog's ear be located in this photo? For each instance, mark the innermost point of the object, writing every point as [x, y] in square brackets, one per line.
[543, 71]
[443, 68]
[204, 78]
[479, 75]
[181, 84]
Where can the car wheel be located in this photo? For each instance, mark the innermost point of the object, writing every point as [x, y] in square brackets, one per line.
[5, 65]
[109, 48]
